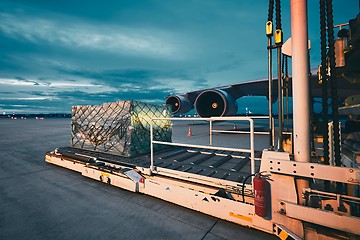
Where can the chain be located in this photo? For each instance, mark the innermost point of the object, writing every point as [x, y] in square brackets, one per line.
[278, 14]
[324, 81]
[333, 83]
[271, 10]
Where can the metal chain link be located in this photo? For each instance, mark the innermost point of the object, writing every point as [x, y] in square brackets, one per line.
[333, 83]
[324, 81]
[271, 10]
[278, 14]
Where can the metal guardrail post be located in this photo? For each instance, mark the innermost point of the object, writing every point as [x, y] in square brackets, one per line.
[252, 146]
[211, 132]
[151, 147]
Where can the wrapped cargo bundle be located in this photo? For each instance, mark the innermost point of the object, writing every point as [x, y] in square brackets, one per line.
[120, 128]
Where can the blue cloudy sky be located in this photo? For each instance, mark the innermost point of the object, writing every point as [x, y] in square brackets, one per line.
[55, 54]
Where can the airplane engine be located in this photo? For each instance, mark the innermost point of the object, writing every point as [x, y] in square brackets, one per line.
[179, 104]
[215, 103]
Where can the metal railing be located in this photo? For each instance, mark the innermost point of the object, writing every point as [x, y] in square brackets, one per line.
[236, 131]
[210, 120]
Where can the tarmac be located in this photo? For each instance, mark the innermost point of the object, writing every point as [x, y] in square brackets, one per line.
[42, 201]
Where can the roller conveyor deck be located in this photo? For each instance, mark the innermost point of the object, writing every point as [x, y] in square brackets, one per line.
[223, 165]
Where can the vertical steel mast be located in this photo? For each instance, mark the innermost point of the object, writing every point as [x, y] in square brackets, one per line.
[300, 81]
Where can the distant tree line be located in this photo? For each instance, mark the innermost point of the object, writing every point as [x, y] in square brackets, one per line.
[41, 115]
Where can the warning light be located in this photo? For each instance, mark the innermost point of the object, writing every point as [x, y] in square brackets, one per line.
[214, 105]
[142, 180]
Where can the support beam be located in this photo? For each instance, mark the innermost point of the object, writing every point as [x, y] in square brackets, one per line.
[321, 217]
[300, 78]
[300, 81]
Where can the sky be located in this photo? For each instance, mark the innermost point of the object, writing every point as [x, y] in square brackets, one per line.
[57, 54]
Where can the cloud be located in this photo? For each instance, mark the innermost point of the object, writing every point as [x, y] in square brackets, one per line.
[141, 78]
[151, 43]
[60, 96]
[16, 82]
[89, 52]
[29, 98]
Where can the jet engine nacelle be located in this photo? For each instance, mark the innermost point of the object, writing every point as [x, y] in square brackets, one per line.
[215, 103]
[179, 104]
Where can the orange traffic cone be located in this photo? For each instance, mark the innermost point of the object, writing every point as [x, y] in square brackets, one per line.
[189, 132]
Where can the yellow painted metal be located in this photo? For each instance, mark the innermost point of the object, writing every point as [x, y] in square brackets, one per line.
[278, 36]
[269, 28]
[245, 218]
[283, 235]
[105, 174]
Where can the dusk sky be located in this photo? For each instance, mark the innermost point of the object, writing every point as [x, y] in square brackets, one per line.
[55, 54]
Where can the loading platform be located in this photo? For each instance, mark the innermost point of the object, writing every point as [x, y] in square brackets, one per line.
[225, 165]
[219, 181]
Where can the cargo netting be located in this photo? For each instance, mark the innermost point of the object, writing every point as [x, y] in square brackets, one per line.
[120, 128]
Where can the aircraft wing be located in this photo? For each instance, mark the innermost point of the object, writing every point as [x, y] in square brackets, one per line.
[221, 101]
